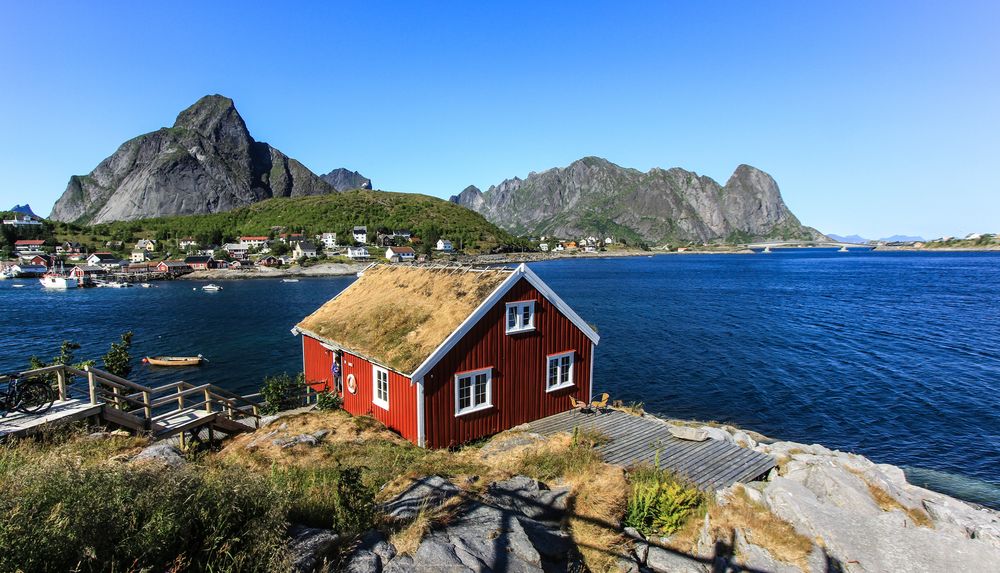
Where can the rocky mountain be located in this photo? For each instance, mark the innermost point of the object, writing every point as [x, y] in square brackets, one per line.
[344, 180]
[24, 209]
[206, 163]
[854, 239]
[594, 196]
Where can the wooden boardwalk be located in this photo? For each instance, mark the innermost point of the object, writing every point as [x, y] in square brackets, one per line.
[62, 411]
[634, 440]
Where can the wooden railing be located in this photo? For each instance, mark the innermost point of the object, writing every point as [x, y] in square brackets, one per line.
[145, 407]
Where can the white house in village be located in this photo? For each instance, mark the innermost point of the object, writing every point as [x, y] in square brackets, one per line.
[444, 245]
[609, 240]
[148, 245]
[329, 240]
[304, 249]
[237, 251]
[357, 253]
[187, 243]
[401, 254]
[361, 234]
[544, 247]
[139, 257]
[253, 242]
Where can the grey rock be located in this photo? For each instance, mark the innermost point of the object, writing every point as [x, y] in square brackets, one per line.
[634, 533]
[429, 491]
[161, 453]
[320, 434]
[663, 560]
[529, 497]
[306, 439]
[344, 180]
[206, 163]
[509, 441]
[626, 565]
[659, 206]
[362, 561]
[754, 557]
[401, 564]
[689, 433]
[482, 537]
[310, 547]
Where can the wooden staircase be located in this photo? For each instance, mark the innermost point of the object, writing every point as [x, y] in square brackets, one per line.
[162, 411]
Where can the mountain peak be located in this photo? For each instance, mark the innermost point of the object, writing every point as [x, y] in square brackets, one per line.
[343, 179]
[212, 116]
[24, 209]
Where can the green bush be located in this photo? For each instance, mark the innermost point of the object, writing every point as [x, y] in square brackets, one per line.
[59, 516]
[659, 503]
[282, 392]
[327, 400]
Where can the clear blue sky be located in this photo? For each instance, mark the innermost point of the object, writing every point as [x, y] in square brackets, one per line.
[874, 117]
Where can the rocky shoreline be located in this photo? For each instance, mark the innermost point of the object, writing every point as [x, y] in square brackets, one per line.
[819, 510]
[319, 270]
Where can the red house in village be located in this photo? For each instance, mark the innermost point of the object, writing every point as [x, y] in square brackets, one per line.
[445, 355]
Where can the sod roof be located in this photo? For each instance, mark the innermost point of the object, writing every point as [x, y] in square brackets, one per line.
[398, 315]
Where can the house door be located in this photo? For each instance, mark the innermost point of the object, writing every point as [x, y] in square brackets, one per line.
[336, 369]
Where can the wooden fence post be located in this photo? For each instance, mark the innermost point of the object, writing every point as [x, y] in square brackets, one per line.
[93, 385]
[148, 402]
[61, 382]
[180, 397]
[208, 401]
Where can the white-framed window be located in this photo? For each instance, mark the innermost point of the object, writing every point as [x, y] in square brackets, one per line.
[520, 316]
[559, 373]
[380, 387]
[473, 391]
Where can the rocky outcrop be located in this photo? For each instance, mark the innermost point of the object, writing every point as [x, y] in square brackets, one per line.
[593, 196]
[515, 526]
[310, 548]
[344, 180]
[206, 163]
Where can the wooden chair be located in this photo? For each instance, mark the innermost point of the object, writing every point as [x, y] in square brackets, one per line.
[578, 405]
[601, 403]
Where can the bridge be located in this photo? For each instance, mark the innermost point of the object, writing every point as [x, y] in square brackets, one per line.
[162, 411]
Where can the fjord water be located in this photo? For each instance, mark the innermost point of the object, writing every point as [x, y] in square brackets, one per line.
[895, 356]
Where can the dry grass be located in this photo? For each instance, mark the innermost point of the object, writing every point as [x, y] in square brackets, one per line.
[407, 539]
[259, 448]
[760, 526]
[886, 502]
[398, 315]
[598, 503]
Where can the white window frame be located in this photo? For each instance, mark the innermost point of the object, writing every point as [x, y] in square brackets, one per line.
[571, 378]
[473, 407]
[519, 325]
[384, 404]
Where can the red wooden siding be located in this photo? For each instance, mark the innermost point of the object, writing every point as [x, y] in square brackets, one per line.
[402, 413]
[316, 363]
[519, 372]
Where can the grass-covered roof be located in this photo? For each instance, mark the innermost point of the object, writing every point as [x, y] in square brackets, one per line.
[398, 315]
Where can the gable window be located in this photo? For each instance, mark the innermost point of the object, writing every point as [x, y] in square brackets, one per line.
[473, 391]
[560, 371]
[380, 387]
[520, 316]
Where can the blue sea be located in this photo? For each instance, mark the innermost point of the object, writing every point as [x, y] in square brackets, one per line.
[895, 356]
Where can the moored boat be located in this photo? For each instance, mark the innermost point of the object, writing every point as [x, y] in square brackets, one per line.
[289, 280]
[58, 281]
[211, 287]
[174, 360]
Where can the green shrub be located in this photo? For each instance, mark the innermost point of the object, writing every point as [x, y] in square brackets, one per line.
[328, 401]
[659, 503]
[59, 516]
[282, 392]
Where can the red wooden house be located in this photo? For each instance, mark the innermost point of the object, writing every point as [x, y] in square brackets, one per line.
[445, 355]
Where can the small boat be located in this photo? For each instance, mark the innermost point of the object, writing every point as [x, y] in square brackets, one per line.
[843, 250]
[174, 360]
[361, 273]
[18, 286]
[211, 287]
[289, 280]
[145, 285]
[767, 250]
[58, 281]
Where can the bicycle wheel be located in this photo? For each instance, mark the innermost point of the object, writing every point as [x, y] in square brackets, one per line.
[34, 397]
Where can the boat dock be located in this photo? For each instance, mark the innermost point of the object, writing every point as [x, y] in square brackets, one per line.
[163, 411]
[635, 440]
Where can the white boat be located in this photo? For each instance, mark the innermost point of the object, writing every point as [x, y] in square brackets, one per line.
[767, 250]
[18, 286]
[843, 250]
[211, 287]
[57, 281]
[145, 285]
[361, 273]
[289, 280]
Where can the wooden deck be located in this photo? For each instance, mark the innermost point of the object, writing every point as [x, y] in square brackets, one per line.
[62, 411]
[710, 465]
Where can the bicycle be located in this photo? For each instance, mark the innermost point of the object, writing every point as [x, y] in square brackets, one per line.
[32, 397]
